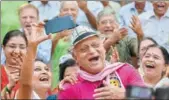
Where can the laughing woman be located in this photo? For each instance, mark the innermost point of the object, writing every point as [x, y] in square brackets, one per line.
[154, 62]
[14, 47]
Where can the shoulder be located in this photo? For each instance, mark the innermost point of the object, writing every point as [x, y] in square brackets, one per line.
[70, 92]
[129, 39]
[146, 15]
[126, 68]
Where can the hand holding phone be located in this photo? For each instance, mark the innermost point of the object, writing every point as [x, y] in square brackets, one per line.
[59, 24]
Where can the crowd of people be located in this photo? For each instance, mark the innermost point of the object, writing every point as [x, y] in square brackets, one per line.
[113, 45]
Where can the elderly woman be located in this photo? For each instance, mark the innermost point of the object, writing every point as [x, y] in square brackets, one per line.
[147, 41]
[15, 47]
[154, 62]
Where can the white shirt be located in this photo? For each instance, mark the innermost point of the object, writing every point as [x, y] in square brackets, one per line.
[156, 28]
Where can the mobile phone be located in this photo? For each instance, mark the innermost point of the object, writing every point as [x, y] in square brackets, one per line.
[59, 24]
[137, 92]
[162, 93]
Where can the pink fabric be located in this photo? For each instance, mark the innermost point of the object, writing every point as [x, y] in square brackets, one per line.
[100, 76]
[85, 89]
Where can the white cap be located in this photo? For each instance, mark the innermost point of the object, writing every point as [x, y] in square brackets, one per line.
[64, 58]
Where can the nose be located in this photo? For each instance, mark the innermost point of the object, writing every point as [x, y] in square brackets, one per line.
[28, 19]
[44, 71]
[92, 50]
[108, 24]
[17, 50]
[151, 59]
[69, 12]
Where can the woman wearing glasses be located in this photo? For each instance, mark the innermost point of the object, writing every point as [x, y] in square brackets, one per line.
[15, 47]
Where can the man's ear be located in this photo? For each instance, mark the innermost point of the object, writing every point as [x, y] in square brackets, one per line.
[97, 26]
[74, 55]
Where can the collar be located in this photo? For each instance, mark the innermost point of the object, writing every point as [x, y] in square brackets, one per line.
[133, 8]
[151, 14]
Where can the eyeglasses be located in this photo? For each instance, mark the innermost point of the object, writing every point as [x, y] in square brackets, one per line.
[21, 46]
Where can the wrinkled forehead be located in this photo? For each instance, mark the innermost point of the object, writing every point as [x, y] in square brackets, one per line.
[65, 4]
[88, 41]
[159, 1]
[40, 64]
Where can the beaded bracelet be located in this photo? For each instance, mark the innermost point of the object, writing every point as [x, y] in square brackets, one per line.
[7, 90]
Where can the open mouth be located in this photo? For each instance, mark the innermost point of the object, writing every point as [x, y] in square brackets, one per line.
[94, 59]
[150, 65]
[161, 6]
[43, 79]
[28, 26]
[109, 30]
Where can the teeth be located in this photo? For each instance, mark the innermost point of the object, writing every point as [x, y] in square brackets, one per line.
[149, 65]
[94, 59]
[44, 79]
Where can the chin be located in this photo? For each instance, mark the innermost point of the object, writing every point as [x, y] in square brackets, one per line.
[97, 70]
[45, 86]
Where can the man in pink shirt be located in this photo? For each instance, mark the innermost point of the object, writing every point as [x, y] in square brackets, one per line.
[96, 78]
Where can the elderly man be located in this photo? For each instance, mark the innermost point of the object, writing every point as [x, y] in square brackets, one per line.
[126, 46]
[134, 8]
[96, 78]
[155, 23]
[29, 14]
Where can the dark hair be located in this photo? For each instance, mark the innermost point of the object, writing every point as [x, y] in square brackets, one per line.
[147, 38]
[62, 67]
[13, 33]
[163, 50]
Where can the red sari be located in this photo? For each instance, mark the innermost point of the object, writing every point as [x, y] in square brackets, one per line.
[5, 81]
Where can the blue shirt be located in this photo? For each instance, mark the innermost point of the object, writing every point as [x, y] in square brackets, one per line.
[47, 11]
[126, 13]
[43, 52]
[156, 28]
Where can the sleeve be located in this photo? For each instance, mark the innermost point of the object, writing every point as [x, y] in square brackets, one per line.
[132, 44]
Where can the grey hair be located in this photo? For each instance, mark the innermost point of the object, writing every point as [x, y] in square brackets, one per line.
[63, 2]
[105, 12]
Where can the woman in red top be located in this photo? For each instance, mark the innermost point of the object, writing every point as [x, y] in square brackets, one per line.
[15, 47]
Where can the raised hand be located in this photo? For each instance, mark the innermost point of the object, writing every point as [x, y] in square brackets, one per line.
[109, 92]
[105, 3]
[13, 76]
[115, 55]
[8, 96]
[62, 34]
[82, 4]
[118, 33]
[68, 79]
[136, 26]
[37, 34]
